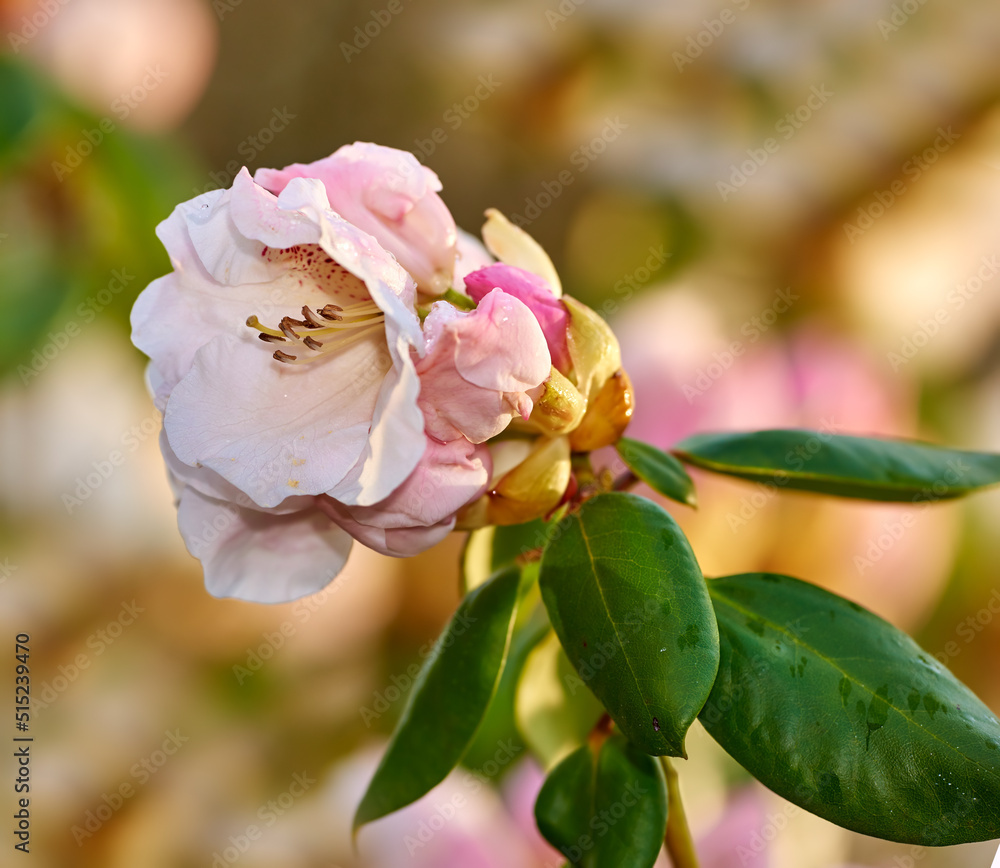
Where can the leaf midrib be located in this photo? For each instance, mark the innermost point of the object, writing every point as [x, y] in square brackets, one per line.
[604, 602]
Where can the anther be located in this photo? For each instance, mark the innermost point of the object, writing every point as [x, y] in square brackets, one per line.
[279, 356]
[311, 317]
[271, 339]
[312, 343]
[286, 328]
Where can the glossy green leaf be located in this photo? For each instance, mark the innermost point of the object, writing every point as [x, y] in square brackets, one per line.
[861, 467]
[490, 549]
[659, 470]
[554, 709]
[448, 700]
[629, 604]
[605, 810]
[844, 715]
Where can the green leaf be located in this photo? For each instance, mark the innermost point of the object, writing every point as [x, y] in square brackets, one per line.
[660, 471]
[605, 810]
[844, 715]
[490, 549]
[448, 700]
[888, 470]
[629, 604]
[21, 102]
[554, 709]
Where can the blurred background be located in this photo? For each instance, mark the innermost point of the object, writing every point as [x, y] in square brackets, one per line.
[790, 212]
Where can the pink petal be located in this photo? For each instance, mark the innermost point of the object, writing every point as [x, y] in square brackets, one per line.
[421, 511]
[389, 195]
[479, 367]
[260, 557]
[536, 294]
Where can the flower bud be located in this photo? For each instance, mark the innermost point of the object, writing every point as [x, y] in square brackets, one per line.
[560, 407]
[607, 416]
[531, 490]
[513, 246]
[593, 348]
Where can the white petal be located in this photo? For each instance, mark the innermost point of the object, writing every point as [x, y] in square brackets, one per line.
[260, 557]
[276, 430]
[396, 442]
[210, 484]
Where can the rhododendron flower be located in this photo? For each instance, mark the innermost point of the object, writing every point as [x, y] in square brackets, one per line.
[304, 404]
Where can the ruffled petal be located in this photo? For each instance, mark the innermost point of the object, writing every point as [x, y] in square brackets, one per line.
[388, 194]
[260, 557]
[479, 367]
[537, 294]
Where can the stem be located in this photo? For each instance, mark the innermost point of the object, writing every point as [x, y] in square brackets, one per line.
[680, 847]
[625, 481]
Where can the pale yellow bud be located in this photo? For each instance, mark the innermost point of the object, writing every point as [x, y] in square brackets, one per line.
[531, 490]
[607, 416]
[560, 407]
[593, 348]
[513, 246]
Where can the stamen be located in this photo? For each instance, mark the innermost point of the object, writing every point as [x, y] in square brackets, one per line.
[328, 347]
[353, 309]
[254, 323]
[309, 315]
